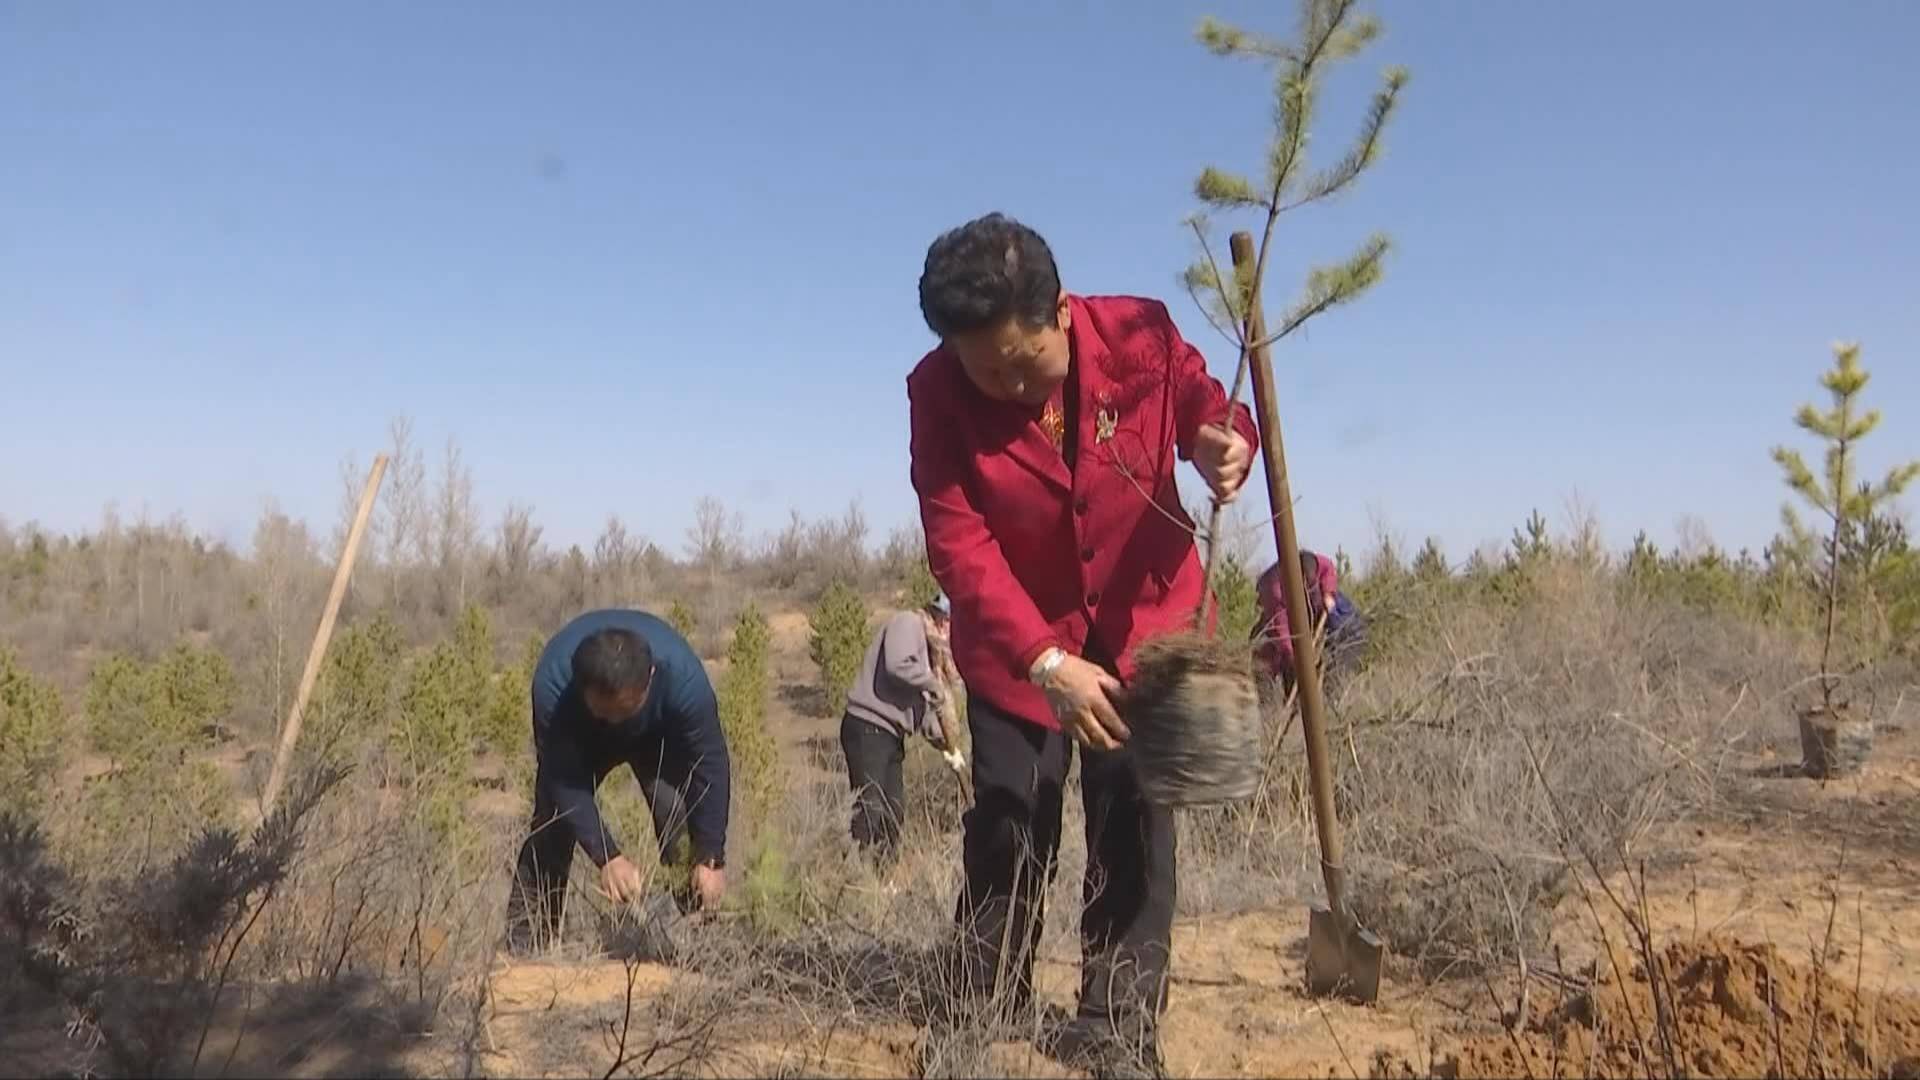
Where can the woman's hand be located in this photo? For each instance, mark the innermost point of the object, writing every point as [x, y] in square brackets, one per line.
[1081, 694]
[1224, 460]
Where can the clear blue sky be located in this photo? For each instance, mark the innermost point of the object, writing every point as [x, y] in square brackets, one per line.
[629, 254]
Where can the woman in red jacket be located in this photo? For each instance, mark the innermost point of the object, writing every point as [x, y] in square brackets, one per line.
[1045, 431]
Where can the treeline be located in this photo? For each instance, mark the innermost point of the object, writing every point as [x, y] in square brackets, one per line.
[140, 587]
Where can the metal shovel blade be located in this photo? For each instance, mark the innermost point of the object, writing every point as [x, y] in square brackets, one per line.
[1342, 959]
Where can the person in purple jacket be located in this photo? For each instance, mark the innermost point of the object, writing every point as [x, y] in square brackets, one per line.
[1345, 630]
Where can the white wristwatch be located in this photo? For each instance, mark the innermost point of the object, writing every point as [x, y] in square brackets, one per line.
[1048, 663]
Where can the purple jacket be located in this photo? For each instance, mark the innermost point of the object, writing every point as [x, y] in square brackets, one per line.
[1276, 646]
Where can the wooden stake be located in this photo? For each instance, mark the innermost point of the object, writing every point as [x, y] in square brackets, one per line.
[291, 732]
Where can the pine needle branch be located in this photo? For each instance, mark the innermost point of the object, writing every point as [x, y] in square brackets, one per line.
[1330, 286]
[1217, 187]
[1366, 149]
[1205, 278]
[1327, 31]
[1223, 40]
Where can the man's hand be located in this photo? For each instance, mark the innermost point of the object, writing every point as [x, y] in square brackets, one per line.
[1224, 459]
[622, 880]
[1079, 692]
[709, 884]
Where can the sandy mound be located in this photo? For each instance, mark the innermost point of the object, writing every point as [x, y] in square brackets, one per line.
[1740, 1010]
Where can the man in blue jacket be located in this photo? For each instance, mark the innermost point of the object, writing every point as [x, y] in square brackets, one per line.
[612, 688]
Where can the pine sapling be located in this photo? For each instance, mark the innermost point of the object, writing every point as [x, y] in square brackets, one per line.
[1328, 31]
[1837, 496]
[1192, 695]
[838, 642]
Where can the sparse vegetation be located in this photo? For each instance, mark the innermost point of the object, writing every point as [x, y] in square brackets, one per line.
[1639, 680]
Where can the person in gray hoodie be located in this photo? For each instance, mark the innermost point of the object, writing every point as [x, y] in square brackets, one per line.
[899, 692]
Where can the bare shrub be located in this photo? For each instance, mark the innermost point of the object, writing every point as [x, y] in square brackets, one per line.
[1632, 704]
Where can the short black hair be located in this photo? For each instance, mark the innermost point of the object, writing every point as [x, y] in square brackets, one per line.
[1309, 564]
[984, 272]
[613, 660]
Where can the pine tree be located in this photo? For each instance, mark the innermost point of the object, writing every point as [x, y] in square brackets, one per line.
[32, 736]
[1239, 598]
[151, 721]
[1430, 565]
[1834, 492]
[743, 691]
[1328, 31]
[838, 642]
[680, 616]
[921, 587]
[1532, 545]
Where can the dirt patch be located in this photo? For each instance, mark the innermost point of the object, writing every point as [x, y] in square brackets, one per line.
[790, 631]
[1875, 809]
[1737, 1010]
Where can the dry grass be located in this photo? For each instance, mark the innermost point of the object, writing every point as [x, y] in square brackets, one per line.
[1634, 709]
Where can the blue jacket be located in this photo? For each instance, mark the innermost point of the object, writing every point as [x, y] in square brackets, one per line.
[573, 747]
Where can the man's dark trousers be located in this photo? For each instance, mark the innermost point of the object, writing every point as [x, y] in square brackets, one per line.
[1009, 852]
[876, 770]
[539, 895]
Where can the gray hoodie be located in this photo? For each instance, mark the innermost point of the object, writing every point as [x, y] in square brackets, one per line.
[895, 678]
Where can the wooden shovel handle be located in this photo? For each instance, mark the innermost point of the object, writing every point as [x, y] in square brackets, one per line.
[283, 757]
[1306, 649]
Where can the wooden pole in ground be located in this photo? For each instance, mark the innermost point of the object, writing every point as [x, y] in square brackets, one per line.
[283, 757]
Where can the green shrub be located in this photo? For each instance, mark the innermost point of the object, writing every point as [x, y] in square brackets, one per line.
[448, 696]
[743, 691]
[507, 726]
[921, 587]
[759, 781]
[32, 736]
[1430, 565]
[148, 720]
[839, 642]
[140, 714]
[357, 698]
[1239, 600]
[681, 617]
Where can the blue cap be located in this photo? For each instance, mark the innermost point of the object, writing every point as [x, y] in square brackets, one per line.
[939, 605]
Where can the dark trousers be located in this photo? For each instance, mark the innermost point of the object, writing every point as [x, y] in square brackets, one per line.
[539, 895]
[876, 771]
[1011, 840]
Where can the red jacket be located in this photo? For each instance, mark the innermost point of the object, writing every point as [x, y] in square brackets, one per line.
[1032, 554]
